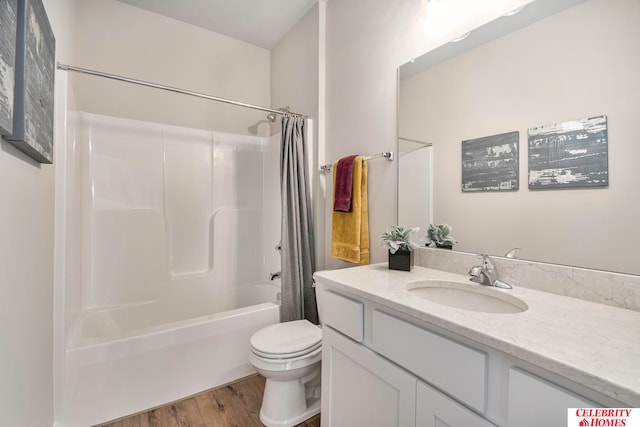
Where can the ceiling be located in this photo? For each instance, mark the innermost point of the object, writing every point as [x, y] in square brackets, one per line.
[259, 22]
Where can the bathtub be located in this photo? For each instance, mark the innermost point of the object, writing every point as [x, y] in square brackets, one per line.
[126, 359]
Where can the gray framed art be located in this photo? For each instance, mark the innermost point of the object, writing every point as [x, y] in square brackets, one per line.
[490, 163]
[569, 155]
[8, 20]
[35, 70]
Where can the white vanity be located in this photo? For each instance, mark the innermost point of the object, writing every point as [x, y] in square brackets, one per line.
[393, 357]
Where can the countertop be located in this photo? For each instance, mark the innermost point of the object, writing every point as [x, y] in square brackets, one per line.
[595, 345]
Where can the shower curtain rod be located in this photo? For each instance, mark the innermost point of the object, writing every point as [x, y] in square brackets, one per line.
[386, 154]
[173, 89]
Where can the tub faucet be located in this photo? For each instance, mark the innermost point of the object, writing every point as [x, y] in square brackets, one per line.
[486, 274]
[274, 275]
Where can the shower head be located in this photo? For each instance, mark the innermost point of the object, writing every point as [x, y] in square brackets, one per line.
[271, 117]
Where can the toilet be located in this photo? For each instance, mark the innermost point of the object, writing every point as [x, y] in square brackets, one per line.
[289, 356]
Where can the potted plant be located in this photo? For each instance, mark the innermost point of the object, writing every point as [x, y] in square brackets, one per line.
[439, 234]
[400, 247]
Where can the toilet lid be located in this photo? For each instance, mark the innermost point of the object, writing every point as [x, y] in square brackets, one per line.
[296, 337]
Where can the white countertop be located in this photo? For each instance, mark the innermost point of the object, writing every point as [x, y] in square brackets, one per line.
[595, 345]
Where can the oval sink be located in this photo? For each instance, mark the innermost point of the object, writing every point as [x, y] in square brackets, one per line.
[467, 296]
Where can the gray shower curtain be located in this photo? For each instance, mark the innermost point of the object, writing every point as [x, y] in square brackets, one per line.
[298, 258]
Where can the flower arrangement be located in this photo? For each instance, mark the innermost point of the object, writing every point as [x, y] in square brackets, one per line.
[439, 234]
[397, 238]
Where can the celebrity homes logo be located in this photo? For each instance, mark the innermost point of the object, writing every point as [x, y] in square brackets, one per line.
[603, 417]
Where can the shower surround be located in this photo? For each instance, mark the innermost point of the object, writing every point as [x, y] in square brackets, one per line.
[170, 236]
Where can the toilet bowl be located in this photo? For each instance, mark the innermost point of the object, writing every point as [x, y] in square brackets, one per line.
[289, 356]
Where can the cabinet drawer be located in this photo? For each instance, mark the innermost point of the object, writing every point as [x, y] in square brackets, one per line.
[536, 402]
[454, 368]
[343, 314]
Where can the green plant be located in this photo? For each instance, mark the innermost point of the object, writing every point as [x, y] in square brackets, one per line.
[439, 234]
[397, 238]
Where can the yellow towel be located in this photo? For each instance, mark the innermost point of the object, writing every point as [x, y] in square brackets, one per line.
[350, 230]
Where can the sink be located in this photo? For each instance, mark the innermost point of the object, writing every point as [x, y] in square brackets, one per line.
[467, 296]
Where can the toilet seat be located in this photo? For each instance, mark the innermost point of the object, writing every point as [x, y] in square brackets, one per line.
[287, 355]
[288, 340]
[283, 365]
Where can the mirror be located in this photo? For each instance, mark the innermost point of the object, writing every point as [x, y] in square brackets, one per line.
[555, 61]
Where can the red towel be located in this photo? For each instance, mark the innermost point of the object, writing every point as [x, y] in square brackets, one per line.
[344, 184]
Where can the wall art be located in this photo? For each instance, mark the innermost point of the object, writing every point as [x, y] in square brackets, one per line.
[35, 70]
[569, 154]
[8, 20]
[490, 163]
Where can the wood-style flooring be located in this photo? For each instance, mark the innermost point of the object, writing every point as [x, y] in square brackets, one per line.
[233, 405]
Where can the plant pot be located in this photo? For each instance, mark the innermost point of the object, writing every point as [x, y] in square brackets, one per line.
[444, 246]
[401, 260]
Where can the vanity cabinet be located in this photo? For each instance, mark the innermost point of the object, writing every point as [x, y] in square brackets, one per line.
[381, 369]
[361, 388]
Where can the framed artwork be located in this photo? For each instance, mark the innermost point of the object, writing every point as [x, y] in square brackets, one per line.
[490, 163]
[35, 70]
[8, 20]
[569, 155]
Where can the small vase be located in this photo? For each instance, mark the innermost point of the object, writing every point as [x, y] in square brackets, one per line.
[401, 260]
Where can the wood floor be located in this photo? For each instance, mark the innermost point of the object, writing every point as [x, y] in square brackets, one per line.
[233, 405]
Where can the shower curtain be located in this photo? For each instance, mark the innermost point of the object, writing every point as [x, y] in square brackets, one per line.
[298, 258]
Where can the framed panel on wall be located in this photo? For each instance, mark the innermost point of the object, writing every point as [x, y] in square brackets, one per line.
[569, 155]
[35, 70]
[8, 20]
[490, 163]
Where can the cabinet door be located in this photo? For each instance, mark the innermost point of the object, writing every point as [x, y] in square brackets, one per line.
[434, 409]
[360, 388]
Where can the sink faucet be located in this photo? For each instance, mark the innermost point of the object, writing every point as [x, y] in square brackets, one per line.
[486, 274]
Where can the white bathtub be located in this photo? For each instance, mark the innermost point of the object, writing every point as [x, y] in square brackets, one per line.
[130, 358]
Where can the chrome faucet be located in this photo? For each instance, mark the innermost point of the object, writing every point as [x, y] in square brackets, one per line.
[486, 273]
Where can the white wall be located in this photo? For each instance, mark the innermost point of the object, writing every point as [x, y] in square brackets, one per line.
[559, 69]
[26, 267]
[121, 39]
[367, 40]
[294, 67]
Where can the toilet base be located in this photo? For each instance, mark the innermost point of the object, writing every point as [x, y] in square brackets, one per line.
[312, 409]
[287, 403]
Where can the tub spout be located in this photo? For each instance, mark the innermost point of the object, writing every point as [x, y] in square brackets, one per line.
[274, 275]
